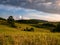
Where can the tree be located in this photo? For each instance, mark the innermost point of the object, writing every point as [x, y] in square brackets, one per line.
[10, 21]
[57, 29]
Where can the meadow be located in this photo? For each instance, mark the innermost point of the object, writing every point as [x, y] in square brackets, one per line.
[17, 36]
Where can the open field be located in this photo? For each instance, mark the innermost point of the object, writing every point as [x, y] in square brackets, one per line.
[29, 38]
[16, 36]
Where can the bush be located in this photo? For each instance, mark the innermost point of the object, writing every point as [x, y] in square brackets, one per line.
[27, 29]
[32, 29]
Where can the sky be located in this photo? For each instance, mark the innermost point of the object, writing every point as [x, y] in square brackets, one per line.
[31, 9]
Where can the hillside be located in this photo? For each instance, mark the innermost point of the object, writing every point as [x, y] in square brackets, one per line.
[17, 36]
[13, 36]
[21, 27]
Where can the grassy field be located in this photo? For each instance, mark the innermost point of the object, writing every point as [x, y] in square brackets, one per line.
[16, 36]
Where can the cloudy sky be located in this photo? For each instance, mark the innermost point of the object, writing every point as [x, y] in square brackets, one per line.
[31, 9]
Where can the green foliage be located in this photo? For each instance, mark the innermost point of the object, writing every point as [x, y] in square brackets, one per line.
[3, 21]
[10, 21]
[28, 21]
[57, 28]
[47, 25]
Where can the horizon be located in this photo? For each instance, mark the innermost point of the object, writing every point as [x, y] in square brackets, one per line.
[44, 10]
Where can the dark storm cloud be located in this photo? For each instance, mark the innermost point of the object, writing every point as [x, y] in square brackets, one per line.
[51, 6]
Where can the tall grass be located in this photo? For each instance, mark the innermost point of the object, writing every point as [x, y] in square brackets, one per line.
[14, 36]
[29, 38]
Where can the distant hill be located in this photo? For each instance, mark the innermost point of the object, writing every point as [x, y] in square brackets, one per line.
[31, 21]
[2, 18]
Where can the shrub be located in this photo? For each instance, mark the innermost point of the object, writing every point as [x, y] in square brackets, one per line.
[27, 29]
[32, 29]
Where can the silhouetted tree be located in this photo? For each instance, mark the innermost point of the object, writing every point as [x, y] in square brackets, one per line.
[10, 21]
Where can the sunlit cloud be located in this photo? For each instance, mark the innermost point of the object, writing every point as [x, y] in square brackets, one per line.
[18, 13]
[44, 16]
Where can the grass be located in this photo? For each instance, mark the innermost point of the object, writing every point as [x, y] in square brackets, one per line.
[15, 36]
[29, 38]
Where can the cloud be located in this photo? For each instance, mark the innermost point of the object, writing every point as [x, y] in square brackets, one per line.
[43, 16]
[8, 7]
[50, 6]
[6, 10]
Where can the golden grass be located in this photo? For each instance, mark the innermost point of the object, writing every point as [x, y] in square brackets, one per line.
[29, 38]
[14, 36]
